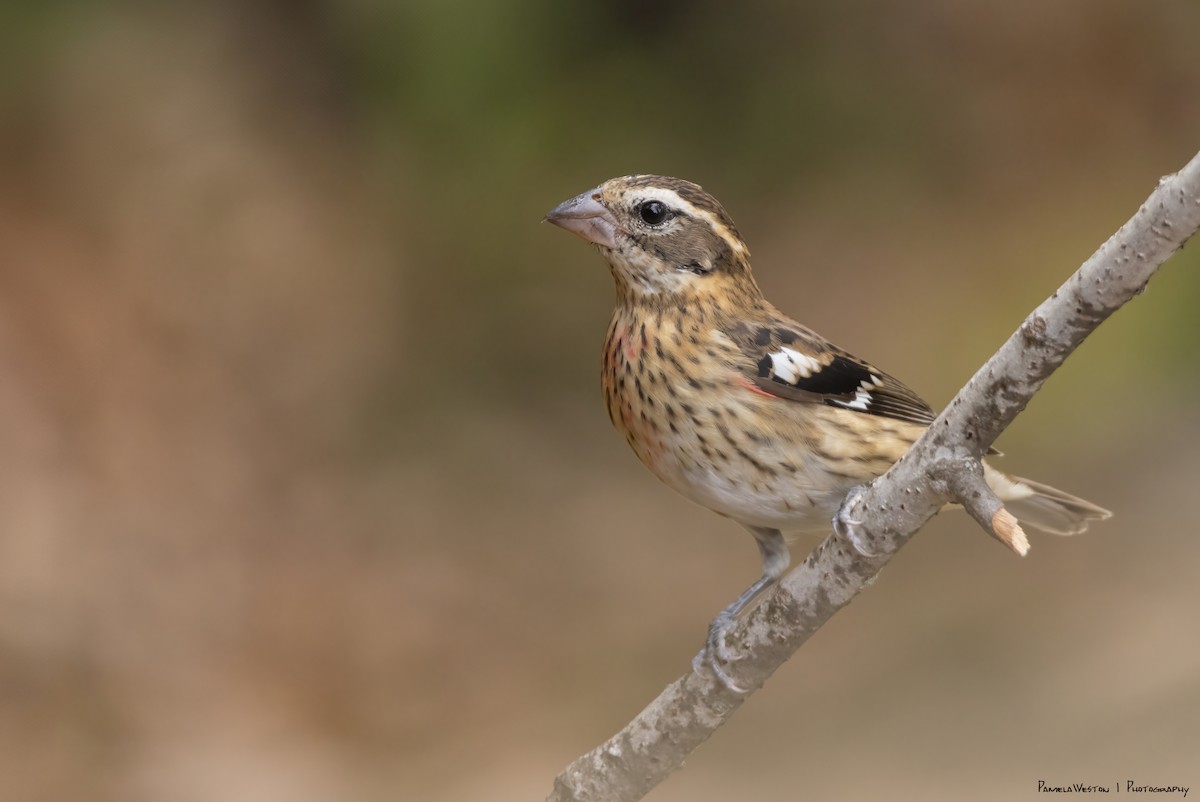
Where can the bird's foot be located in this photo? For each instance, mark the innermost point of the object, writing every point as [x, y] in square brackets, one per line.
[716, 652]
[851, 529]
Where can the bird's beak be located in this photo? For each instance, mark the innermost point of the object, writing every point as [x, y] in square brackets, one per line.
[587, 218]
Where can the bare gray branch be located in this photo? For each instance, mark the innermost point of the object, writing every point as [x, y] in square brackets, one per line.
[876, 521]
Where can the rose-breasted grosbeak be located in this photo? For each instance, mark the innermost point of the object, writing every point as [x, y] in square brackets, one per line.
[735, 405]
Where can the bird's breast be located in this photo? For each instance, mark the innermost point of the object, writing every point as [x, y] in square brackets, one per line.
[696, 422]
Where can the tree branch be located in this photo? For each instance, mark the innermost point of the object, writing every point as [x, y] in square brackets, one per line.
[876, 520]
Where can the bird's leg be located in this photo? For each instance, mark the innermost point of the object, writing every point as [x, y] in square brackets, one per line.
[775, 561]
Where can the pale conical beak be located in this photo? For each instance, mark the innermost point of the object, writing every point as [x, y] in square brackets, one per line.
[585, 217]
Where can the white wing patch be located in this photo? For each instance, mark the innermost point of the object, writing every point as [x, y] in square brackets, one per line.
[862, 396]
[792, 366]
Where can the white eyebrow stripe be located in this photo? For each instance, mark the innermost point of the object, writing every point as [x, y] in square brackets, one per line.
[676, 201]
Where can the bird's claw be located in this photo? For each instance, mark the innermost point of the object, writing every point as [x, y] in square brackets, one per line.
[851, 530]
[715, 652]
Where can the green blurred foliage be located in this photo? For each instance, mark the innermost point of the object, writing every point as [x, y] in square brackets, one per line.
[486, 112]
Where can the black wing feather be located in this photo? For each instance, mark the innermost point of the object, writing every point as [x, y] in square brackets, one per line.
[822, 372]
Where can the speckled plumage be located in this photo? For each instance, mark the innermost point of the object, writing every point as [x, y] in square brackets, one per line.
[732, 403]
[686, 396]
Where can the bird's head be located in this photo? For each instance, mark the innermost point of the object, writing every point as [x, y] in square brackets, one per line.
[666, 240]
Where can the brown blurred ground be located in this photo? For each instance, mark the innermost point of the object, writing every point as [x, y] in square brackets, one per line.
[308, 492]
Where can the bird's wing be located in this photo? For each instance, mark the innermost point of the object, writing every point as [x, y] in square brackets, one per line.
[791, 362]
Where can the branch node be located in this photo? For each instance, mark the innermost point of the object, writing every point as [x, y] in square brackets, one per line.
[967, 482]
[1008, 530]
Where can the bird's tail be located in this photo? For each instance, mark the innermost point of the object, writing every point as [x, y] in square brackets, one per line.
[1041, 506]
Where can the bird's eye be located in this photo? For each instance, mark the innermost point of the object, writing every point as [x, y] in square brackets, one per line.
[653, 213]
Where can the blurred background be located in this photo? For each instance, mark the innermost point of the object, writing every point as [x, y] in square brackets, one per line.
[308, 488]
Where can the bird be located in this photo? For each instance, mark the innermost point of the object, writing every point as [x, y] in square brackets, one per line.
[737, 406]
